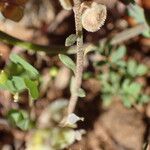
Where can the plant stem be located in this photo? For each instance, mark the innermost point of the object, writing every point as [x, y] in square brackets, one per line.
[80, 56]
[6, 38]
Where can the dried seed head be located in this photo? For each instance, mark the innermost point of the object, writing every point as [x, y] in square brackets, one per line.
[66, 4]
[93, 16]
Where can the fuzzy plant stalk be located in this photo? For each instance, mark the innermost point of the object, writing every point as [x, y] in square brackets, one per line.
[80, 56]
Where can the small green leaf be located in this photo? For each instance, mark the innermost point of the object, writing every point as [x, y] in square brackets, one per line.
[19, 118]
[137, 12]
[9, 86]
[19, 83]
[125, 85]
[18, 60]
[3, 77]
[131, 67]
[70, 40]
[114, 77]
[144, 98]
[67, 61]
[121, 63]
[32, 88]
[118, 54]
[131, 88]
[81, 93]
[24, 124]
[15, 116]
[134, 89]
[141, 70]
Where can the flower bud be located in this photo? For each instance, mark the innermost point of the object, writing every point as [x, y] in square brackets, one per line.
[66, 4]
[93, 16]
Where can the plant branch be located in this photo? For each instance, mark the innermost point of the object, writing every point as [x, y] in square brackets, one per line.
[6, 38]
[80, 56]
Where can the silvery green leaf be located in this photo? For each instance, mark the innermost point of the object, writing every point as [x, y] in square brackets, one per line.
[131, 67]
[137, 13]
[70, 40]
[141, 70]
[118, 54]
[68, 62]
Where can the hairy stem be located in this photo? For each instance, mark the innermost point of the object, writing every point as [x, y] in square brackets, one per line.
[80, 56]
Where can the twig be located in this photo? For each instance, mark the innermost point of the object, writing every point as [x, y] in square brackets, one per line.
[6, 38]
[129, 33]
[80, 56]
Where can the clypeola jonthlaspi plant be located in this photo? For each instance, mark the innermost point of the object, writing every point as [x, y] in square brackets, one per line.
[90, 16]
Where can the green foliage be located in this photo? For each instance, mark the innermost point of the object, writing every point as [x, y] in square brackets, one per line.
[3, 77]
[137, 13]
[20, 119]
[134, 69]
[118, 77]
[33, 73]
[67, 61]
[118, 54]
[32, 88]
[70, 40]
[19, 76]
